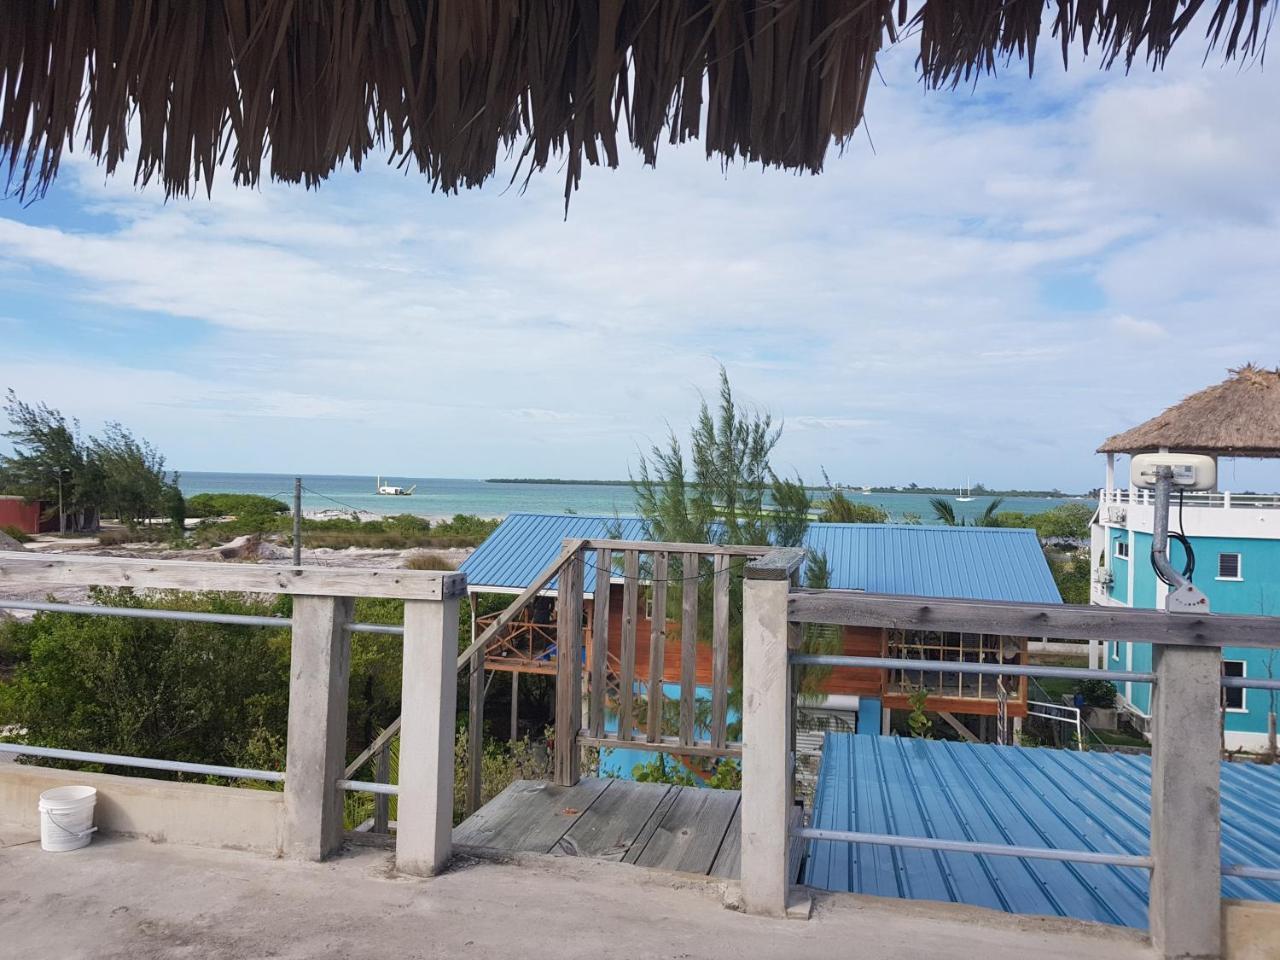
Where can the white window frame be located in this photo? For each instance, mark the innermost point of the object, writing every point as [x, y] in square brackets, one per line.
[1115, 650]
[1121, 542]
[1239, 566]
[1244, 691]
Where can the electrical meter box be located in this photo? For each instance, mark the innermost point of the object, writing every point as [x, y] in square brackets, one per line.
[1191, 471]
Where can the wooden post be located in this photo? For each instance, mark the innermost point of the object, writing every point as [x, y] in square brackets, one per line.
[766, 774]
[515, 705]
[568, 671]
[319, 667]
[657, 645]
[475, 734]
[720, 649]
[429, 695]
[1186, 881]
[381, 802]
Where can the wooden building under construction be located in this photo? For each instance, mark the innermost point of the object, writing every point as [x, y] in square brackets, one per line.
[906, 560]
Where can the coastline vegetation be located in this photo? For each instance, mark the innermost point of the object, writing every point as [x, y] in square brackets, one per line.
[114, 474]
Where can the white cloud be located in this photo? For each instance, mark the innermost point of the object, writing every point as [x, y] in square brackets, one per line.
[912, 313]
[1141, 329]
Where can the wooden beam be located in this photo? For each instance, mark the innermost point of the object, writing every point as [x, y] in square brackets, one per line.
[569, 672]
[63, 570]
[688, 646]
[627, 651]
[780, 563]
[475, 737]
[600, 642]
[647, 546]
[958, 727]
[720, 650]
[657, 644]
[665, 745]
[384, 737]
[850, 608]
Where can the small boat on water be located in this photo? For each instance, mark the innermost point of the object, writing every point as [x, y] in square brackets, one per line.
[965, 493]
[387, 490]
[866, 491]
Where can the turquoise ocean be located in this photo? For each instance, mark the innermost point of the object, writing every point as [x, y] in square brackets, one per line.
[443, 497]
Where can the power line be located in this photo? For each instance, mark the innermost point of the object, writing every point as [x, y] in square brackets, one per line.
[338, 502]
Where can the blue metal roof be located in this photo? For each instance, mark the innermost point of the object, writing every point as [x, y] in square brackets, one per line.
[525, 544]
[1022, 796]
[975, 563]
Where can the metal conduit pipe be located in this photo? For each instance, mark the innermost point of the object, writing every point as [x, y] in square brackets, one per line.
[964, 846]
[141, 613]
[116, 760]
[955, 666]
[364, 786]
[187, 616]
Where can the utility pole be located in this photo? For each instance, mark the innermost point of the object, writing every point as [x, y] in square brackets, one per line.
[62, 517]
[297, 521]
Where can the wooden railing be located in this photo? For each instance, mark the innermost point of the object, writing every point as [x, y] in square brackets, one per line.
[674, 573]
[614, 684]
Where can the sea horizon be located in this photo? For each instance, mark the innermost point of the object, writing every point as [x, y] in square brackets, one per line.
[436, 497]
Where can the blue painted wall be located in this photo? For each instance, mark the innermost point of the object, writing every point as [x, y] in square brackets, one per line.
[1257, 592]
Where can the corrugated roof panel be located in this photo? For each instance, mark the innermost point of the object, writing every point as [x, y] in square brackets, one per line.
[975, 563]
[525, 544]
[1011, 795]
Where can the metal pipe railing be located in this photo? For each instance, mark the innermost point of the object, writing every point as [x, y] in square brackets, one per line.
[364, 786]
[183, 616]
[1008, 670]
[117, 760]
[144, 613]
[965, 846]
[959, 666]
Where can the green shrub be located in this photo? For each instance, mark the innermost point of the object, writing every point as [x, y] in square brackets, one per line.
[19, 535]
[663, 769]
[233, 505]
[153, 688]
[1097, 693]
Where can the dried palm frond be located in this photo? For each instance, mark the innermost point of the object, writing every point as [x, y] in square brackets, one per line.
[1239, 417]
[451, 86]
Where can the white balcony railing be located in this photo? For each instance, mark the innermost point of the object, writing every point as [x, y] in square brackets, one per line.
[1225, 500]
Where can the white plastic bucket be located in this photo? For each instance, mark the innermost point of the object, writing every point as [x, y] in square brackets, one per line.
[66, 818]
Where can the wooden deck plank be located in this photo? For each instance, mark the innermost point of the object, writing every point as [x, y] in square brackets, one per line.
[651, 826]
[612, 825]
[529, 816]
[728, 862]
[690, 835]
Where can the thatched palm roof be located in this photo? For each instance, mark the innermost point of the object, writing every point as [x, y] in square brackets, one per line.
[1239, 417]
[451, 85]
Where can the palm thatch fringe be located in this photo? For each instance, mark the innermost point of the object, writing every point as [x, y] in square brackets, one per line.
[450, 86]
[1239, 417]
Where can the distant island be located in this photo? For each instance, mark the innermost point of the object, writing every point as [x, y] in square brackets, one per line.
[564, 483]
[978, 489]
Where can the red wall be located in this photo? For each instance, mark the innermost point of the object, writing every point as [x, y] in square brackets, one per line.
[18, 513]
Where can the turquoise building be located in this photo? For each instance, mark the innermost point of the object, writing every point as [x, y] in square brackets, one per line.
[1235, 540]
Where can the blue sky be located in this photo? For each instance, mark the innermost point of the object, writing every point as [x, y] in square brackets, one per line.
[1014, 272]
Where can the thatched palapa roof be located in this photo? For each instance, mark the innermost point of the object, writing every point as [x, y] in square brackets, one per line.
[1239, 417]
[450, 86]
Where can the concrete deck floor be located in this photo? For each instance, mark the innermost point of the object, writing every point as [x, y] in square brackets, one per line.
[131, 898]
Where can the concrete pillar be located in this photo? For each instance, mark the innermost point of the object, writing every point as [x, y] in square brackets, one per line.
[1186, 883]
[319, 666]
[766, 768]
[428, 703]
